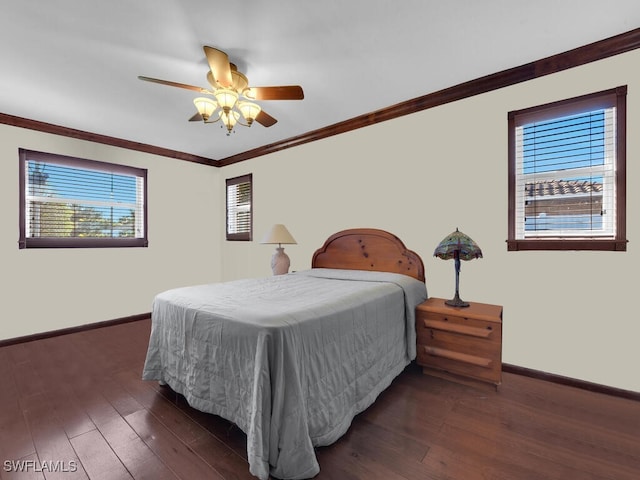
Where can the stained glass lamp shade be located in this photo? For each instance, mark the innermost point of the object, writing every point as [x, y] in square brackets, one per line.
[458, 246]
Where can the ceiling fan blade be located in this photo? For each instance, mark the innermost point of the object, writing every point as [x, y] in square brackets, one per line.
[219, 65]
[265, 119]
[196, 118]
[284, 92]
[175, 84]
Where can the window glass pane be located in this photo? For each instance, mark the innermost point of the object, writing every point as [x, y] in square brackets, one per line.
[74, 202]
[70, 202]
[565, 143]
[239, 202]
[564, 169]
[567, 174]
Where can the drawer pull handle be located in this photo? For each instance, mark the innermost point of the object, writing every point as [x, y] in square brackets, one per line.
[460, 357]
[462, 329]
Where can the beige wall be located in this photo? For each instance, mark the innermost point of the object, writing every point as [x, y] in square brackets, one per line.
[49, 289]
[420, 176]
[423, 175]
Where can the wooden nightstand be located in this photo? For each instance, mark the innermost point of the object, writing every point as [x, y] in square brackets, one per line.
[460, 344]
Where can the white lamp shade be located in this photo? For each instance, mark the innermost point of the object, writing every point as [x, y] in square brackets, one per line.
[278, 234]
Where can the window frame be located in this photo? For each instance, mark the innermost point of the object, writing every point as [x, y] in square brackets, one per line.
[77, 242]
[242, 236]
[613, 97]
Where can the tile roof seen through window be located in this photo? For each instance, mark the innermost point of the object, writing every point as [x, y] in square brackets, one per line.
[562, 187]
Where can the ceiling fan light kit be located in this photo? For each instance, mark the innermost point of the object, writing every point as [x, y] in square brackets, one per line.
[229, 86]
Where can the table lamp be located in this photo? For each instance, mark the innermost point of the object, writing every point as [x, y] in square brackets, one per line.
[280, 261]
[458, 246]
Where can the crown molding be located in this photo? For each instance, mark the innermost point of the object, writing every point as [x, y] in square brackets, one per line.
[592, 52]
[104, 139]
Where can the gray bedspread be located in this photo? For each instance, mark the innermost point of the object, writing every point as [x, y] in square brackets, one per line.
[290, 359]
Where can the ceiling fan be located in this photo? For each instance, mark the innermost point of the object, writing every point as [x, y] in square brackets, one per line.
[234, 98]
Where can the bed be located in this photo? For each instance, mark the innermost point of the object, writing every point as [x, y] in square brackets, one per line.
[291, 359]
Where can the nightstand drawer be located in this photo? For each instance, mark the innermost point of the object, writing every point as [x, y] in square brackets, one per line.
[460, 363]
[434, 325]
[460, 342]
[483, 329]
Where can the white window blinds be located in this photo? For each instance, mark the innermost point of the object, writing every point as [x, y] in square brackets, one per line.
[239, 208]
[74, 202]
[565, 176]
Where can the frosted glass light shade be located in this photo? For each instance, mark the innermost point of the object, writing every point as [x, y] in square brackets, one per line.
[229, 119]
[226, 98]
[205, 107]
[249, 111]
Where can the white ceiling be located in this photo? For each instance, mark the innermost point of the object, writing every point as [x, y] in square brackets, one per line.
[75, 63]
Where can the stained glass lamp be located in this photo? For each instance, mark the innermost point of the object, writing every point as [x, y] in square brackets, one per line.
[458, 246]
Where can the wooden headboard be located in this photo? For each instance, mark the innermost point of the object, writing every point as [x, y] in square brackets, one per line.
[368, 249]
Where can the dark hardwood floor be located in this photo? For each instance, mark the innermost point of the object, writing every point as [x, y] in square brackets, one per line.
[74, 406]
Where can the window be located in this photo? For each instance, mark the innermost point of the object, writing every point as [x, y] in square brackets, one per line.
[72, 202]
[567, 174]
[239, 208]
